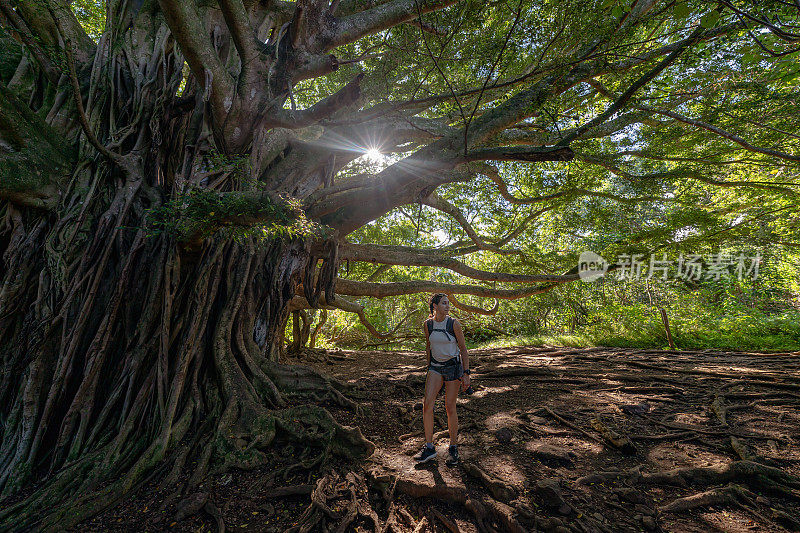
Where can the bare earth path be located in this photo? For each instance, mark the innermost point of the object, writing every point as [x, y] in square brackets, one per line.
[554, 439]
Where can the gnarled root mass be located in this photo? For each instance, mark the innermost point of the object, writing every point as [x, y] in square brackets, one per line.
[342, 503]
[123, 361]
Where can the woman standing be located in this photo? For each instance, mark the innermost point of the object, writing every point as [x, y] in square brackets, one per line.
[448, 362]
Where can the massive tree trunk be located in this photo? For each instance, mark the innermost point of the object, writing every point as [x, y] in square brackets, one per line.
[134, 333]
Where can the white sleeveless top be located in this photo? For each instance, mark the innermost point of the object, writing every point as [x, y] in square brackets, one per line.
[442, 348]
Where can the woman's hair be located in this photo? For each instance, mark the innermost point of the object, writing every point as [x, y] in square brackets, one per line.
[435, 299]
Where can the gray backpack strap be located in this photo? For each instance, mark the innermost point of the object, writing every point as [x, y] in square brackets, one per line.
[450, 326]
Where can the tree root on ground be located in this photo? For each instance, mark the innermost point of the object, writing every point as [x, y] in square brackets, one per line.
[499, 489]
[621, 442]
[737, 482]
[245, 435]
[731, 494]
[336, 504]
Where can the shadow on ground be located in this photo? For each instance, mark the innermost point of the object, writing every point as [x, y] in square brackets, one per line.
[554, 439]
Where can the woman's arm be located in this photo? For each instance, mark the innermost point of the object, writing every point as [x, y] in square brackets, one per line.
[427, 342]
[461, 344]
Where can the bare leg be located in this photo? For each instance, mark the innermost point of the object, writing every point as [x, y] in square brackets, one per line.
[432, 386]
[451, 394]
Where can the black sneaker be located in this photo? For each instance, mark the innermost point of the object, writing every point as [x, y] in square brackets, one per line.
[452, 455]
[425, 455]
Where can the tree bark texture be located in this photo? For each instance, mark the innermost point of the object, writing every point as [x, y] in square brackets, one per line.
[126, 348]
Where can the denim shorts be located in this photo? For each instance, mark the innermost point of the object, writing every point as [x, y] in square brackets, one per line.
[450, 370]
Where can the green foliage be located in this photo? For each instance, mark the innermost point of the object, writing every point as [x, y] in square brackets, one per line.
[201, 212]
[92, 16]
[696, 326]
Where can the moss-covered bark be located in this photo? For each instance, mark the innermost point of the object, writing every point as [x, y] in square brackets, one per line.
[128, 346]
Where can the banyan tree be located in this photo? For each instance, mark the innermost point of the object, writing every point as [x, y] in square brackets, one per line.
[176, 177]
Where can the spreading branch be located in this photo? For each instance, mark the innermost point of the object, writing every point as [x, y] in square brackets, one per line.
[379, 18]
[472, 308]
[724, 134]
[344, 97]
[407, 256]
[521, 153]
[299, 302]
[382, 290]
[623, 99]
[439, 203]
[685, 173]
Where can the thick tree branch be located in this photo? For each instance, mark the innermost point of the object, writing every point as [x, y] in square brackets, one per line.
[243, 36]
[190, 33]
[521, 153]
[344, 97]
[382, 290]
[353, 27]
[313, 66]
[45, 62]
[299, 302]
[493, 174]
[474, 309]
[406, 256]
[49, 18]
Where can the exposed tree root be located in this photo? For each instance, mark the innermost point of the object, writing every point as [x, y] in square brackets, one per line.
[497, 488]
[337, 503]
[446, 522]
[618, 441]
[731, 494]
[719, 409]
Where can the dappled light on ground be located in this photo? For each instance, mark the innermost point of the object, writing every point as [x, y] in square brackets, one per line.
[554, 439]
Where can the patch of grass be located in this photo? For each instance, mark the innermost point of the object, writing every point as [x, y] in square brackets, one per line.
[747, 329]
[578, 341]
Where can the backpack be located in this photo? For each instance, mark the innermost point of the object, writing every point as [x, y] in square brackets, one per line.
[448, 324]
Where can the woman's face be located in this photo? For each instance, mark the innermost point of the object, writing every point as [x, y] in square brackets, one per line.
[443, 307]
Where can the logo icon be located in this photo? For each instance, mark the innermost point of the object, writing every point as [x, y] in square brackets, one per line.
[591, 266]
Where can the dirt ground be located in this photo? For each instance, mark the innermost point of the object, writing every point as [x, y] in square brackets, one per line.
[554, 439]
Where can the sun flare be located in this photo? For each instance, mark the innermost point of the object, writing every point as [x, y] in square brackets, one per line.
[373, 155]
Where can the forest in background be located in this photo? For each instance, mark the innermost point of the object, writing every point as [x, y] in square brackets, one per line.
[730, 314]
